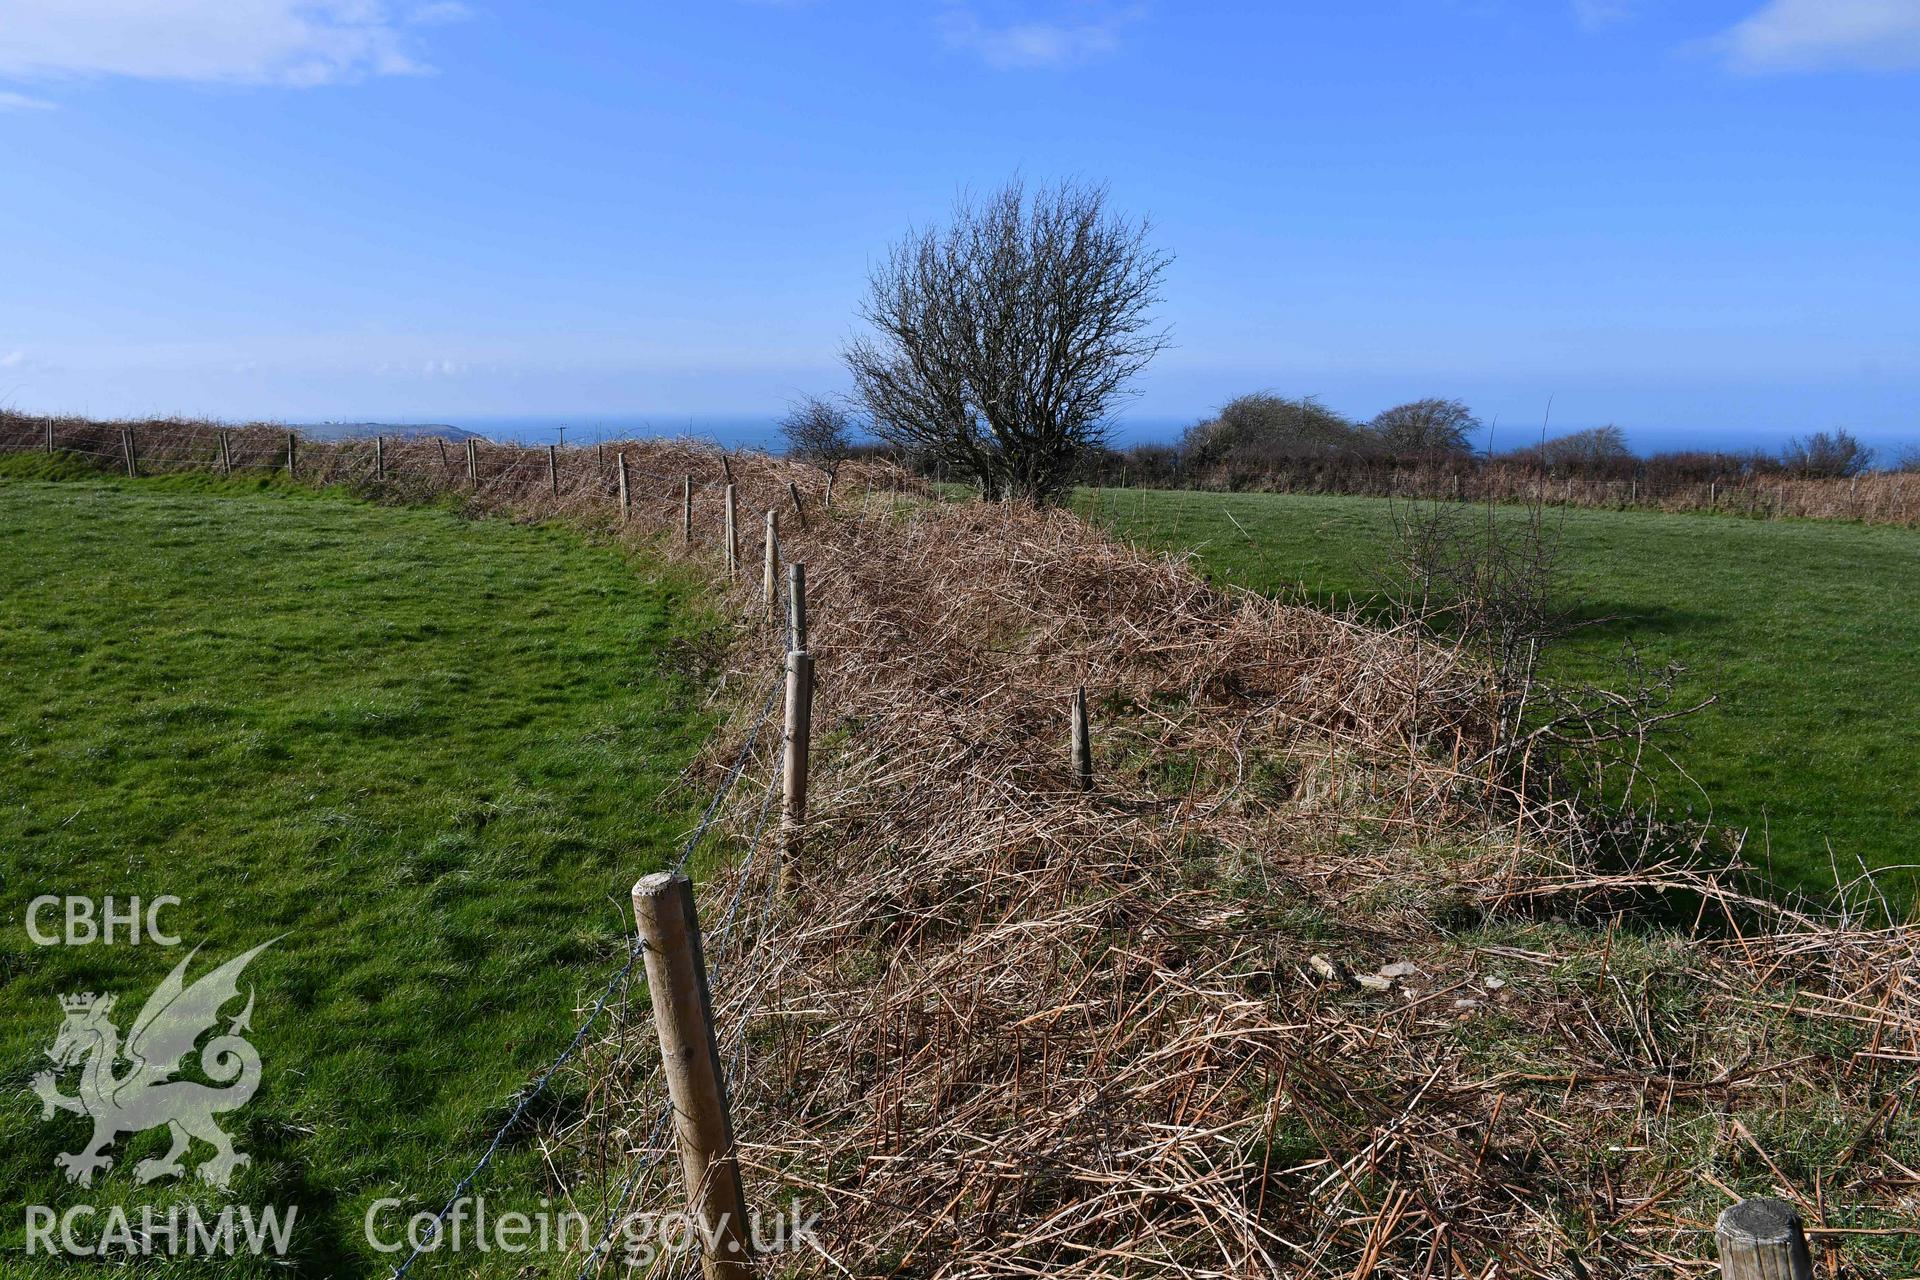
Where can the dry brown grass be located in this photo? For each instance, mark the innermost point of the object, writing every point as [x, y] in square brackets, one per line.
[990, 1025]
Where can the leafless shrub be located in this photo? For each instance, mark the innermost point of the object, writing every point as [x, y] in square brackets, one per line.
[1826, 455]
[818, 432]
[1422, 427]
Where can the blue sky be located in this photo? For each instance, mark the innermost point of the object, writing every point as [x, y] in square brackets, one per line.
[1694, 219]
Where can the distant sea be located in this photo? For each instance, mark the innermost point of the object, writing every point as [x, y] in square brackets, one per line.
[735, 432]
[744, 431]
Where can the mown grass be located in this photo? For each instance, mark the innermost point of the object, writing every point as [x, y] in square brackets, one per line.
[427, 754]
[1808, 633]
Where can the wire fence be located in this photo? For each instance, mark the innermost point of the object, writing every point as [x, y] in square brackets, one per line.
[620, 979]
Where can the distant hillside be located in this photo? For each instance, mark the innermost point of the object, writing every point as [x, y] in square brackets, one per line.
[363, 430]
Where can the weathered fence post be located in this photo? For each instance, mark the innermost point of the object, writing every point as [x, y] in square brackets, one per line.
[1713, 495]
[1082, 741]
[379, 458]
[690, 1058]
[733, 536]
[1762, 1239]
[293, 455]
[799, 512]
[797, 739]
[796, 606]
[553, 473]
[226, 455]
[626, 497]
[829, 490]
[126, 447]
[473, 464]
[770, 571]
[686, 511]
[49, 435]
[726, 470]
[445, 465]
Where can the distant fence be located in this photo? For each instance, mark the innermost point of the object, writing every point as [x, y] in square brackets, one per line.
[1891, 498]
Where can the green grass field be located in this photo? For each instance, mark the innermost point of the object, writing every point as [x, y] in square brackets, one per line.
[1808, 632]
[428, 755]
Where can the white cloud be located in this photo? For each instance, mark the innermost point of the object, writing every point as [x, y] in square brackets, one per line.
[1809, 35]
[21, 102]
[13, 360]
[1079, 32]
[290, 42]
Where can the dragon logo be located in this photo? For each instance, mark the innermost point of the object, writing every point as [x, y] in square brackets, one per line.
[143, 1096]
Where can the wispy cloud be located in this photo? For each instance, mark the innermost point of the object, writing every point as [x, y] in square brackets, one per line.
[21, 102]
[13, 360]
[287, 42]
[1072, 33]
[1812, 35]
[1594, 14]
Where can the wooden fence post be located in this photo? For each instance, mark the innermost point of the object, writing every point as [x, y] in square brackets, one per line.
[796, 606]
[770, 572]
[1762, 1239]
[726, 470]
[553, 473]
[626, 497]
[1082, 741]
[797, 740]
[690, 1059]
[293, 456]
[829, 490]
[733, 536]
[445, 465]
[686, 511]
[379, 458]
[49, 435]
[226, 455]
[126, 446]
[799, 512]
[473, 464]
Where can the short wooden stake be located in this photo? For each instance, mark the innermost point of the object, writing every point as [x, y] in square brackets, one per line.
[1762, 1239]
[796, 606]
[799, 512]
[1082, 741]
[690, 1059]
[293, 455]
[379, 458]
[445, 463]
[553, 473]
[626, 497]
[126, 445]
[829, 503]
[473, 464]
[49, 435]
[226, 455]
[733, 537]
[796, 740]
[726, 470]
[770, 571]
[686, 511]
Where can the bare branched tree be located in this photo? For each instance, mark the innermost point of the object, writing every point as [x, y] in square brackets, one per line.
[1001, 342]
[1426, 427]
[819, 432]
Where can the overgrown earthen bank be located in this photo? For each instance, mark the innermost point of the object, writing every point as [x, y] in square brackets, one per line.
[993, 1025]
